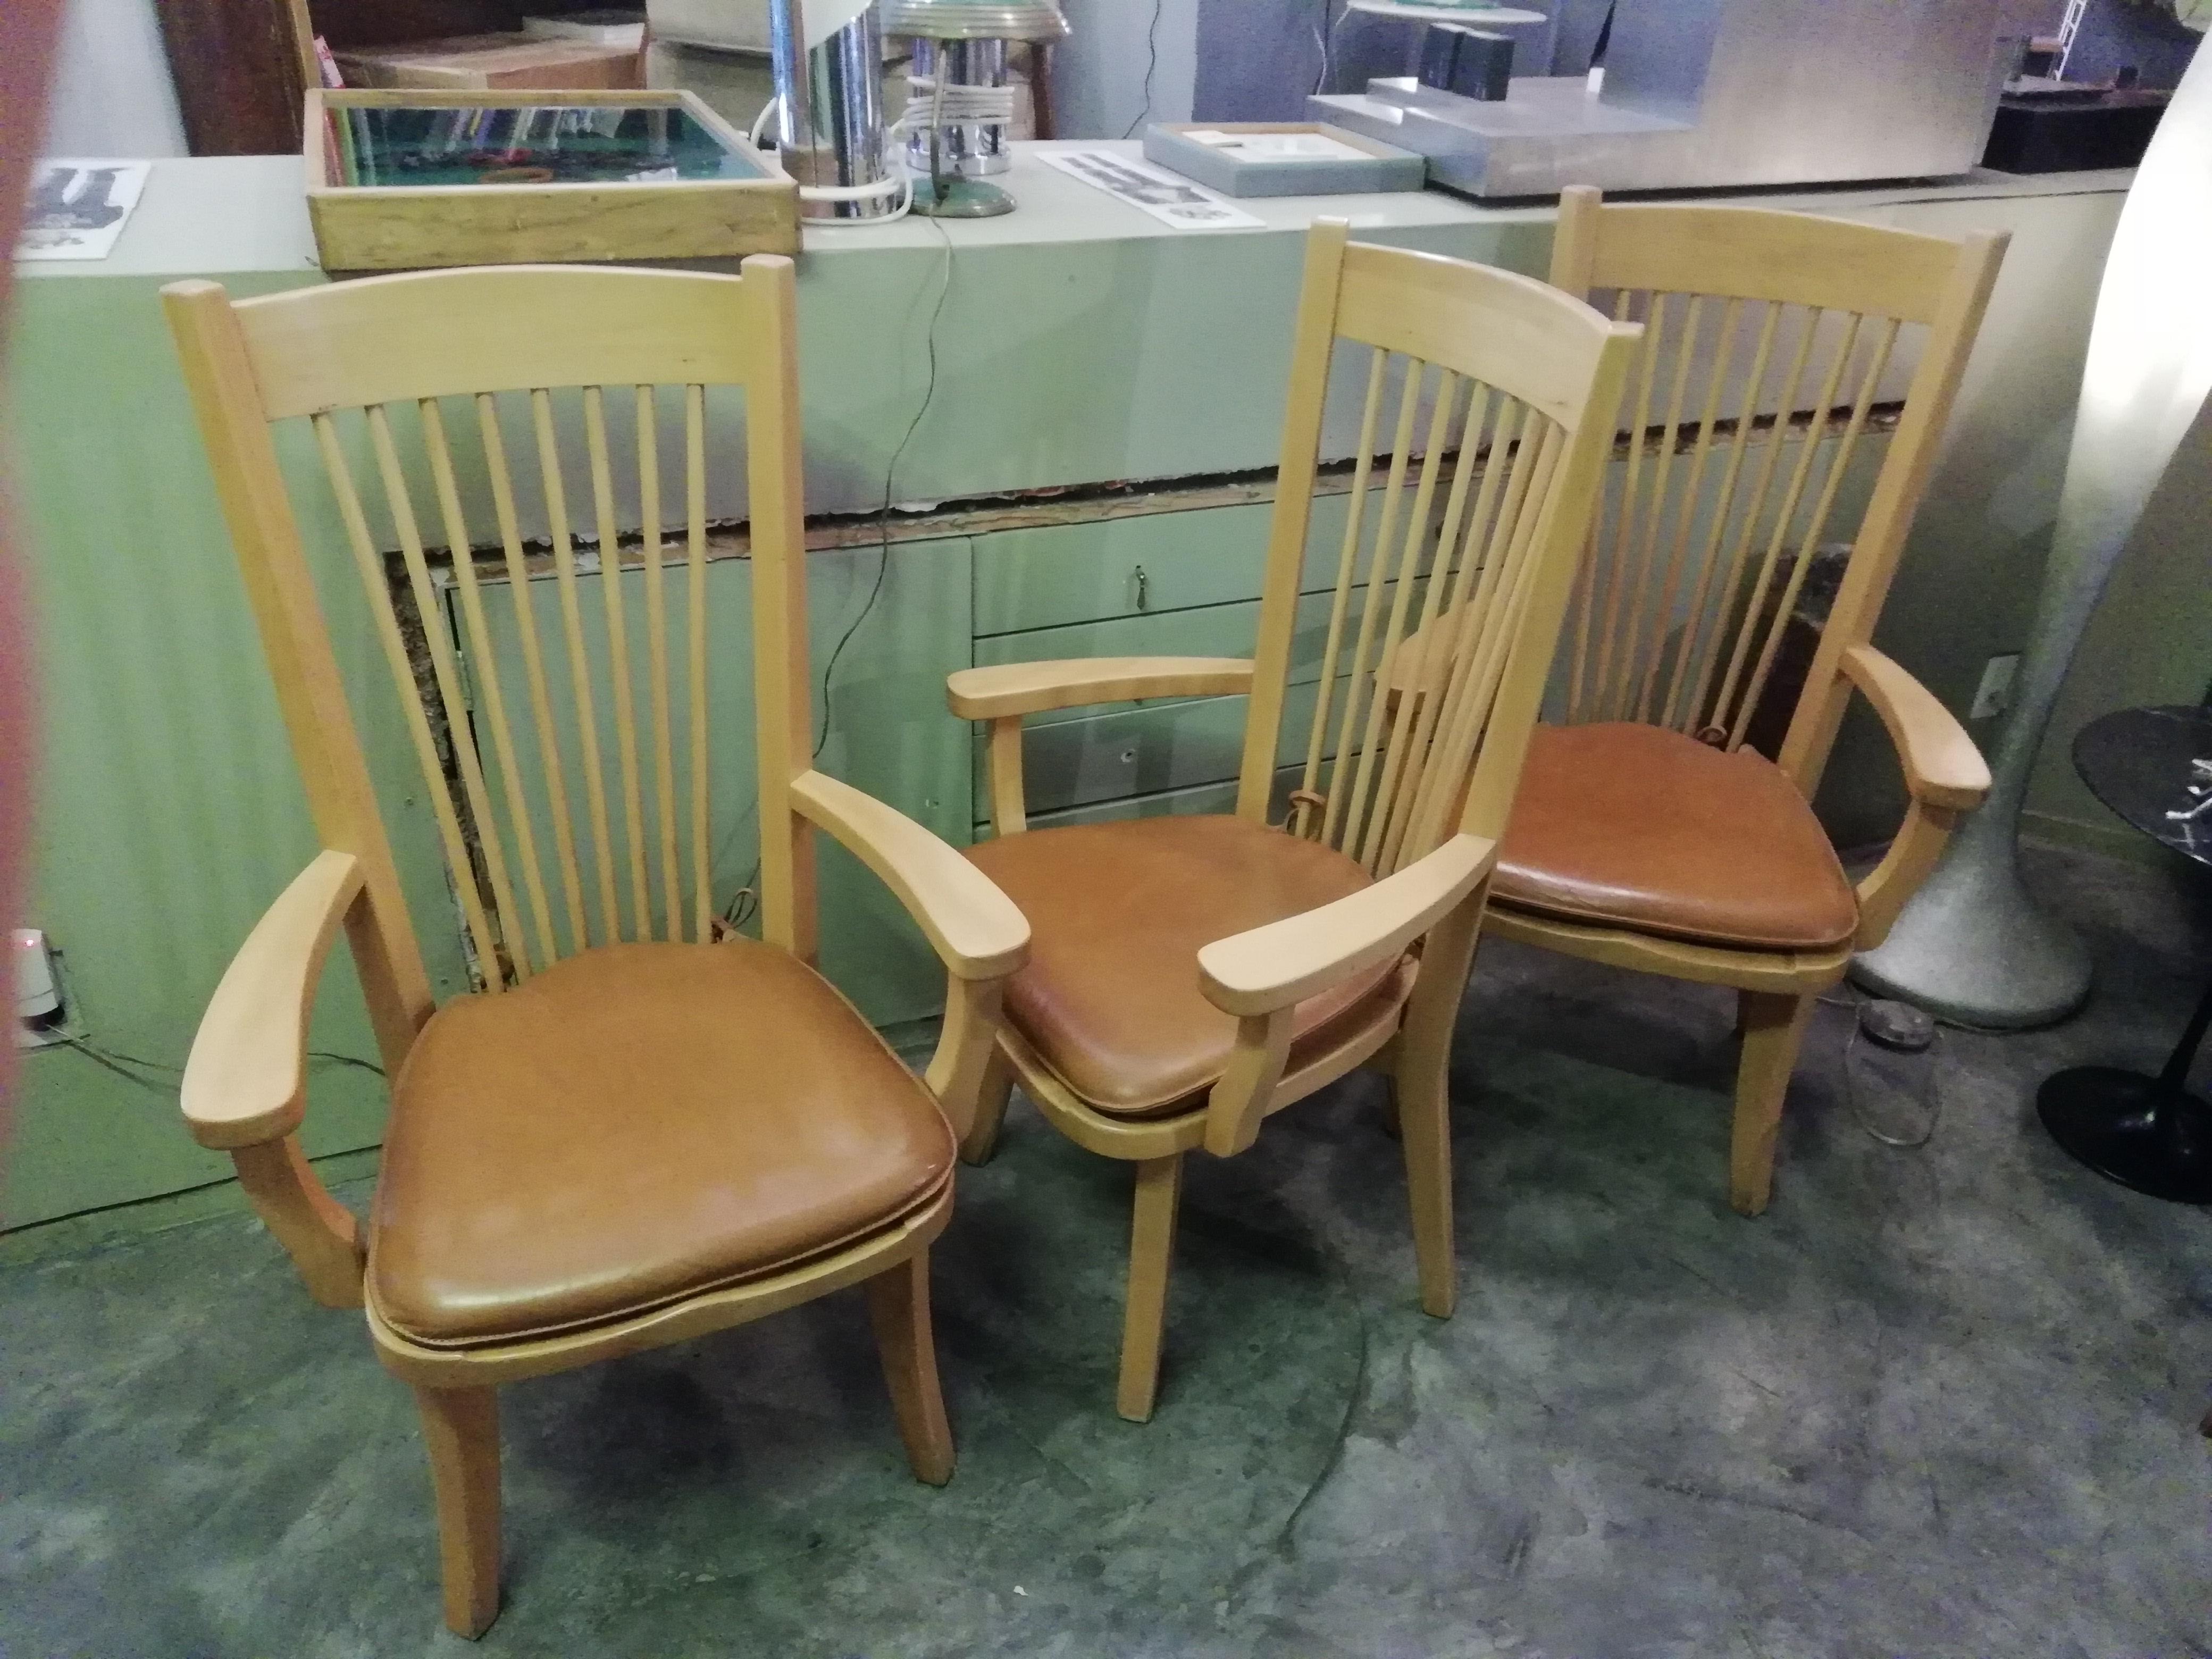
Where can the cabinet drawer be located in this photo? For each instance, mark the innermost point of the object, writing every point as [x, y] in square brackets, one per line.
[1145, 749]
[1203, 797]
[1056, 574]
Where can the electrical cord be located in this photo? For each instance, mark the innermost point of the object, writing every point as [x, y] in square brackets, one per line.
[118, 1062]
[1324, 33]
[115, 1059]
[890, 477]
[745, 901]
[1151, 66]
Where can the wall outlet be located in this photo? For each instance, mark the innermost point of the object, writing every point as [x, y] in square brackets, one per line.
[1994, 695]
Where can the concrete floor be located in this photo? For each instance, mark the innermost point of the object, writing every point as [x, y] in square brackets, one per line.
[1936, 1402]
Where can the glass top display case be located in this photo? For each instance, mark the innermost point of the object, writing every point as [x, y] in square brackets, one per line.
[536, 143]
[406, 179]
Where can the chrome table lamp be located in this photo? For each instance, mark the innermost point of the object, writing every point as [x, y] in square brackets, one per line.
[960, 102]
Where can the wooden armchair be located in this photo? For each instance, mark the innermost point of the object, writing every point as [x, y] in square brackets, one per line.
[596, 1153]
[1191, 975]
[1648, 834]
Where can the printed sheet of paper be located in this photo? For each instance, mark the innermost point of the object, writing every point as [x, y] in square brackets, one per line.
[1169, 197]
[78, 209]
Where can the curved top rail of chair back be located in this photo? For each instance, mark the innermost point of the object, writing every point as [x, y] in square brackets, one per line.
[1794, 384]
[518, 460]
[507, 328]
[1768, 254]
[1522, 336]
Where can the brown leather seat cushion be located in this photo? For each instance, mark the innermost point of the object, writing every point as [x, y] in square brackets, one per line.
[637, 1124]
[1636, 826]
[1117, 914]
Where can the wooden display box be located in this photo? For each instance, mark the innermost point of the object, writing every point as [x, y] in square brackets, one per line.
[518, 178]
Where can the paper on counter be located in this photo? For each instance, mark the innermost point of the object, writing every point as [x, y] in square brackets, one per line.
[1169, 197]
[78, 209]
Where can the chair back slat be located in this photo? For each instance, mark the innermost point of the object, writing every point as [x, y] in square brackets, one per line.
[1447, 585]
[625, 711]
[1770, 348]
[581, 679]
[377, 589]
[527, 618]
[695, 568]
[1414, 719]
[1335, 826]
[491, 690]
[1341, 593]
[656, 636]
[1690, 669]
[552, 767]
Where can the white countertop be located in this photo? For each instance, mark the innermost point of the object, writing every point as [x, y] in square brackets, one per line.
[212, 215]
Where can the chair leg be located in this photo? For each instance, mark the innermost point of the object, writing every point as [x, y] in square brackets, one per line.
[1144, 1318]
[1424, 1130]
[982, 1137]
[1773, 1028]
[898, 1307]
[460, 1427]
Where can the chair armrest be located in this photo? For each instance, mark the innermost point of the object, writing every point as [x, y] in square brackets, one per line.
[1269, 968]
[1033, 688]
[974, 927]
[245, 1079]
[1942, 766]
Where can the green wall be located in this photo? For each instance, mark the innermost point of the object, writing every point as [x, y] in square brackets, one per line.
[169, 813]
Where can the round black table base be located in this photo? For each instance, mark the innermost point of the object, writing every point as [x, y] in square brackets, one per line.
[2132, 1129]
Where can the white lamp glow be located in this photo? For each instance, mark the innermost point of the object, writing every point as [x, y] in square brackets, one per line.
[1971, 945]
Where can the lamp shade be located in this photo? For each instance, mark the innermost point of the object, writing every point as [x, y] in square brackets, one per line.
[974, 20]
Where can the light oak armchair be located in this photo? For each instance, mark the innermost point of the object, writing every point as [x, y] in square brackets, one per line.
[1191, 975]
[596, 1152]
[1651, 834]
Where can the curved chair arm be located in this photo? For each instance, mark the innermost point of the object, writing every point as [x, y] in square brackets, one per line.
[1944, 774]
[1262, 975]
[1035, 688]
[1003, 695]
[977, 930]
[1942, 766]
[245, 1089]
[246, 1080]
[1271, 969]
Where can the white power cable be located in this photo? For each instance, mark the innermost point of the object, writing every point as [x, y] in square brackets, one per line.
[899, 183]
[953, 104]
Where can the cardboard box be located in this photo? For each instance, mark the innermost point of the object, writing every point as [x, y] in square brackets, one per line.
[490, 63]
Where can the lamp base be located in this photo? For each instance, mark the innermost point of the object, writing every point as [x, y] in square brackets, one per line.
[1973, 948]
[951, 196]
[2135, 1129]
